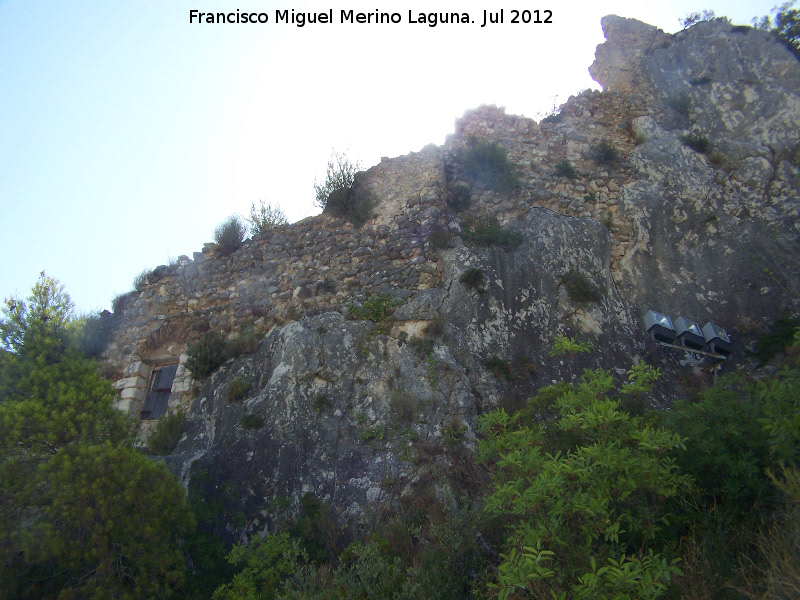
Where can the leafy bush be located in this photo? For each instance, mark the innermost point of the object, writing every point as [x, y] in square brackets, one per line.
[238, 388]
[580, 288]
[485, 163]
[230, 234]
[699, 17]
[377, 308]
[698, 143]
[440, 239]
[340, 195]
[488, 232]
[473, 278]
[459, 197]
[565, 169]
[141, 280]
[92, 333]
[583, 521]
[320, 403]
[604, 153]
[206, 355]
[780, 336]
[340, 175]
[244, 343]
[265, 217]
[166, 434]
[681, 104]
[570, 346]
[353, 203]
[251, 421]
[785, 24]
[499, 368]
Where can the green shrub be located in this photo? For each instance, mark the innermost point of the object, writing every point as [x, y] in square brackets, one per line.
[340, 175]
[320, 403]
[352, 204]
[245, 343]
[565, 169]
[166, 434]
[238, 388]
[265, 217]
[604, 153]
[459, 197]
[780, 336]
[440, 239]
[488, 232]
[581, 290]
[230, 234]
[372, 434]
[499, 368]
[251, 421]
[377, 308]
[698, 143]
[473, 278]
[485, 163]
[577, 488]
[141, 280]
[92, 333]
[206, 355]
[553, 117]
[681, 104]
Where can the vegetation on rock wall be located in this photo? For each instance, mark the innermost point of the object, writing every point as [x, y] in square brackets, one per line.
[484, 162]
[230, 234]
[265, 217]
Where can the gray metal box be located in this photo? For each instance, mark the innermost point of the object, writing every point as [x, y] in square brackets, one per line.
[659, 327]
[717, 339]
[689, 334]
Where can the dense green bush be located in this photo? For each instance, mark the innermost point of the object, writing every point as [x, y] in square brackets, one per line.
[166, 434]
[378, 308]
[578, 487]
[238, 388]
[251, 421]
[265, 217]
[487, 231]
[230, 234]
[484, 162]
[92, 333]
[565, 169]
[604, 152]
[698, 143]
[779, 337]
[681, 104]
[340, 175]
[83, 514]
[472, 277]
[141, 280]
[580, 288]
[459, 197]
[499, 368]
[204, 356]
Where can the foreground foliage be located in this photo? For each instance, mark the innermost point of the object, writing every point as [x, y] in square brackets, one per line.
[82, 514]
[582, 484]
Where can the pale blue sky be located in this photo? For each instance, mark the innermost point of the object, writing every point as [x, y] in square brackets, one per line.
[127, 135]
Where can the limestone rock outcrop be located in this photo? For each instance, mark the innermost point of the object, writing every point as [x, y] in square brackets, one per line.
[685, 199]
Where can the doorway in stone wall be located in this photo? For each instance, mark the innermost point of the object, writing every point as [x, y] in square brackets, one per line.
[155, 405]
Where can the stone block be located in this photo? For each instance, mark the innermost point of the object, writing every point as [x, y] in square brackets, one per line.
[129, 405]
[131, 382]
[138, 368]
[133, 394]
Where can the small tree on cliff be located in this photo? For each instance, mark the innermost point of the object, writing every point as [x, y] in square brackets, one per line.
[340, 175]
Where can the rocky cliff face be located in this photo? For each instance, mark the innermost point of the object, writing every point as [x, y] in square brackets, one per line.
[359, 413]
